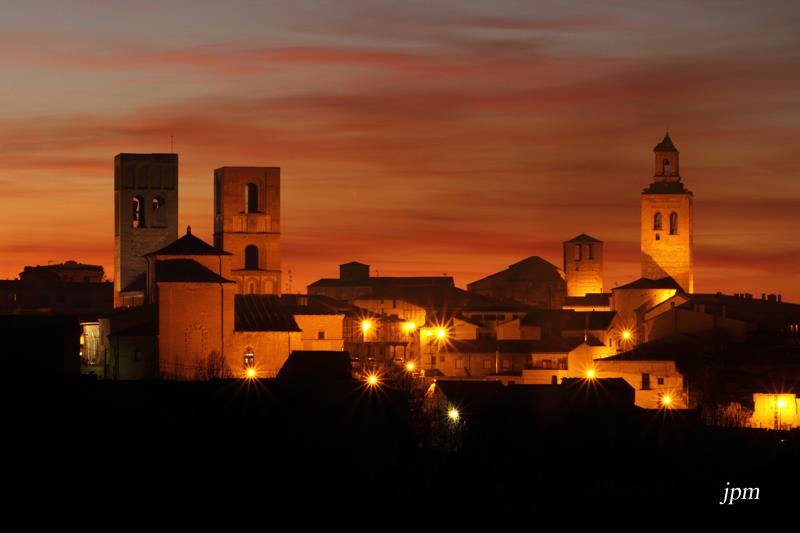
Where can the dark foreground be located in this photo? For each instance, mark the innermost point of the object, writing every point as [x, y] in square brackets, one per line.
[273, 448]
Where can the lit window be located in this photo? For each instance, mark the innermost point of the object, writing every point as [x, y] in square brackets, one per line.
[249, 358]
[137, 205]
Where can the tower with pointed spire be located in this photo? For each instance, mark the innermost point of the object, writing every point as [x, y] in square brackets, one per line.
[667, 241]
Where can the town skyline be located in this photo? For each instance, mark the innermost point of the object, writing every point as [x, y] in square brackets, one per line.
[414, 173]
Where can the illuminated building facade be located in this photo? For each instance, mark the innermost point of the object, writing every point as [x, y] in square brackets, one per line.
[247, 224]
[667, 221]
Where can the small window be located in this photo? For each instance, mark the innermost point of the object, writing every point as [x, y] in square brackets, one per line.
[487, 364]
[459, 363]
[137, 205]
[137, 355]
[251, 257]
[658, 222]
[673, 223]
[321, 335]
[251, 197]
[159, 212]
[553, 380]
[645, 381]
[577, 252]
[660, 381]
[665, 167]
[590, 251]
[506, 364]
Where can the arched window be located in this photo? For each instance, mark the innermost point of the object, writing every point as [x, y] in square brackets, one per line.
[248, 358]
[576, 252]
[251, 288]
[159, 213]
[666, 167]
[251, 257]
[251, 197]
[673, 223]
[138, 212]
[658, 222]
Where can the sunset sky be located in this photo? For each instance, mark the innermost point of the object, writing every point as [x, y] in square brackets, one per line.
[419, 137]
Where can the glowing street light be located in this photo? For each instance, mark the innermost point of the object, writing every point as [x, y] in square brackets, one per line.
[591, 374]
[666, 401]
[627, 334]
[441, 333]
[411, 366]
[372, 380]
[366, 326]
[409, 327]
[250, 373]
[781, 403]
[453, 414]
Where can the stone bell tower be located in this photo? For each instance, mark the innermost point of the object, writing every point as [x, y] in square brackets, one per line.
[583, 265]
[247, 224]
[145, 218]
[667, 221]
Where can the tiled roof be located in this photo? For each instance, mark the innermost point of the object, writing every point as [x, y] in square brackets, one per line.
[186, 271]
[261, 312]
[589, 300]
[578, 320]
[647, 283]
[665, 145]
[583, 238]
[551, 345]
[666, 187]
[189, 245]
[529, 269]
[440, 281]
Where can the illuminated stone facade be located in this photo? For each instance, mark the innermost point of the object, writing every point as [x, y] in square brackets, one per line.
[583, 265]
[247, 216]
[667, 222]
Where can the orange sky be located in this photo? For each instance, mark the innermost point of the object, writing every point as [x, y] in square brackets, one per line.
[444, 138]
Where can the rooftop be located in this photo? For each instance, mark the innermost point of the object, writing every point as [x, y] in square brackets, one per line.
[262, 312]
[647, 283]
[583, 238]
[665, 145]
[189, 245]
[186, 271]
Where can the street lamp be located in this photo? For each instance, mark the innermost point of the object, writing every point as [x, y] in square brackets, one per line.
[453, 414]
[666, 401]
[250, 373]
[372, 380]
[410, 366]
[591, 374]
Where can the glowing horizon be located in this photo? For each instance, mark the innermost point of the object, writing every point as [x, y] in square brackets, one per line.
[420, 140]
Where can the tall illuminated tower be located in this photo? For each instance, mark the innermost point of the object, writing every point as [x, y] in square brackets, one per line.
[247, 223]
[667, 221]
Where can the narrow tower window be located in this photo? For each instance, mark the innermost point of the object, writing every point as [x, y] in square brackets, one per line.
[138, 212]
[251, 257]
[658, 222]
[577, 252]
[251, 197]
[673, 223]
[590, 251]
[159, 213]
[666, 167]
